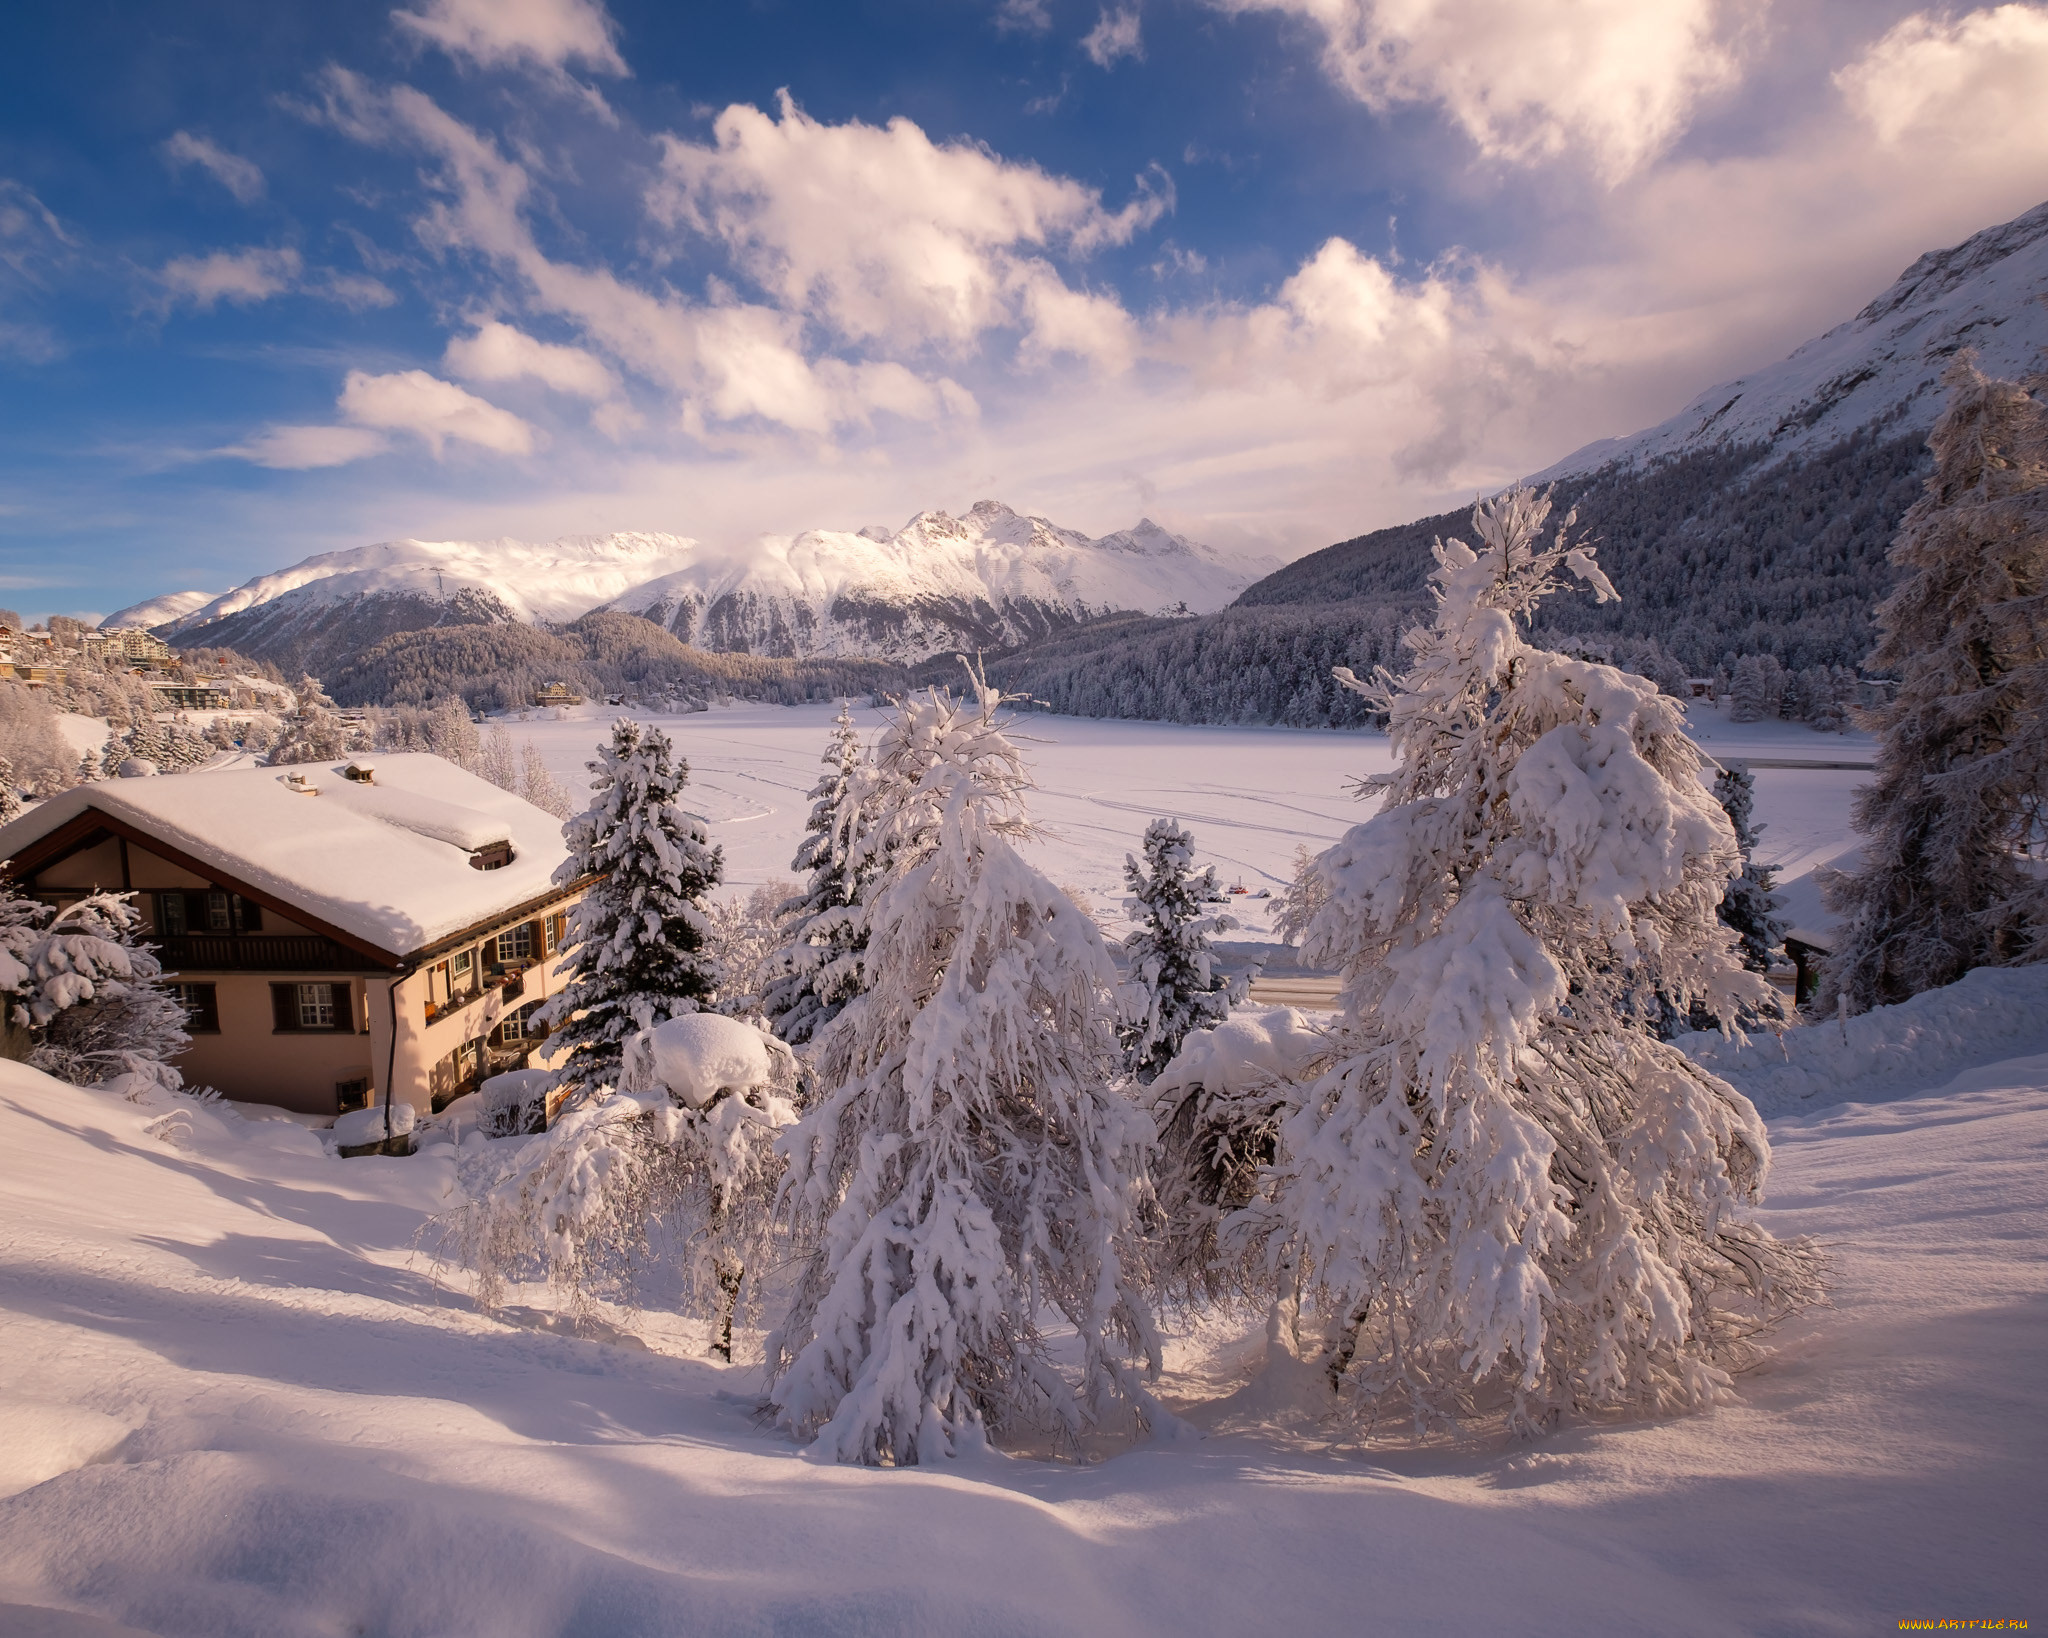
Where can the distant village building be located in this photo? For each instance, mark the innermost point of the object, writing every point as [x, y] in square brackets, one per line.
[199, 696]
[557, 693]
[338, 935]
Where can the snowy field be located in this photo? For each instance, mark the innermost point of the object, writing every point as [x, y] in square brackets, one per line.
[1251, 796]
[243, 1399]
[239, 1402]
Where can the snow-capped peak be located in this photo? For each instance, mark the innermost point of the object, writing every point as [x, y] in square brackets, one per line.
[1883, 366]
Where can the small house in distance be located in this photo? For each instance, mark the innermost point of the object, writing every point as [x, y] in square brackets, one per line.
[557, 693]
[338, 934]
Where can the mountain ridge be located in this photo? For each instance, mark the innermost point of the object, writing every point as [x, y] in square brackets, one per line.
[992, 577]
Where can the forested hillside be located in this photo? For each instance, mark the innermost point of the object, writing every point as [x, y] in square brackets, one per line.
[1719, 556]
[498, 667]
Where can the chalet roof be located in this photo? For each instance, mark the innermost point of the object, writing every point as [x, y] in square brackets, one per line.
[388, 862]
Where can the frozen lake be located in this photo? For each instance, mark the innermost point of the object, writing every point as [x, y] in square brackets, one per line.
[1251, 796]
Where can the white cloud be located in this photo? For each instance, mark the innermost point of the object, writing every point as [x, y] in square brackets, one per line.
[297, 449]
[883, 235]
[1023, 16]
[241, 177]
[239, 276]
[548, 35]
[434, 410]
[1529, 79]
[498, 352]
[1114, 37]
[356, 291]
[1981, 78]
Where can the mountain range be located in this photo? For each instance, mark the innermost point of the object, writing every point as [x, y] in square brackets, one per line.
[1754, 521]
[992, 578]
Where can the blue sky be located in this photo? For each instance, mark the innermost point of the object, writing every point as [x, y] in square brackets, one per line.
[277, 279]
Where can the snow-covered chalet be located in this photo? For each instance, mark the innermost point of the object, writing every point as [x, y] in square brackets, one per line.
[334, 932]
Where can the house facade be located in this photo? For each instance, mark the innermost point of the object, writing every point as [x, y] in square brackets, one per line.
[337, 935]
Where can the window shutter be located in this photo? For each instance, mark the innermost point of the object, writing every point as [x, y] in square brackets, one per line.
[284, 1007]
[248, 915]
[344, 1008]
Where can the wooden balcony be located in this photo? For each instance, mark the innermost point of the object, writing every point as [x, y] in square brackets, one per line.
[258, 953]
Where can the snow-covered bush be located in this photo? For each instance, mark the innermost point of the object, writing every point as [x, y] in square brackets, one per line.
[88, 992]
[1174, 987]
[1502, 1189]
[1218, 1107]
[540, 787]
[1949, 878]
[638, 935]
[1305, 894]
[661, 1188]
[965, 1165]
[42, 760]
[817, 970]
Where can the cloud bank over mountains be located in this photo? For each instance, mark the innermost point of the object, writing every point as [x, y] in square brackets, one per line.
[741, 321]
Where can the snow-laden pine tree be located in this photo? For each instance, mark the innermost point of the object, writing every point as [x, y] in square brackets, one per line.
[1503, 1192]
[1953, 818]
[10, 794]
[1174, 987]
[90, 993]
[1750, 905]
[817, 970]
[497, 762]
[638, 933]
[965, 1166]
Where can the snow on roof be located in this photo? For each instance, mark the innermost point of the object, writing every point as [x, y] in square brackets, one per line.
[388, 862]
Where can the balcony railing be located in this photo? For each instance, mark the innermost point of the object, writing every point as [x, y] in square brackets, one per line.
[261, 953]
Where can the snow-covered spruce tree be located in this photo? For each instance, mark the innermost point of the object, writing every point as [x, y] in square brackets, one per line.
[965, 1164]
[1956, 806]
[1503, 1192]
[1749, 906]
[817, 971]
[638, 935]
[1174, 987]
[10, 795]
[91, 994]
[1303, 896]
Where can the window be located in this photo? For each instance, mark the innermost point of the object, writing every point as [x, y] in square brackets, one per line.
[202, 1007]
[299, 1008]
[517, 944]
[521, 1027]
[207, 911]
[353, 1094]
[461, 971]
[555, 928]
[491, 856]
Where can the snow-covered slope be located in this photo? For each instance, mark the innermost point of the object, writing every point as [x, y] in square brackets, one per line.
[991, 578]
[1883, 365]
[988, 579]
[158, 611]
[239, 1401]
